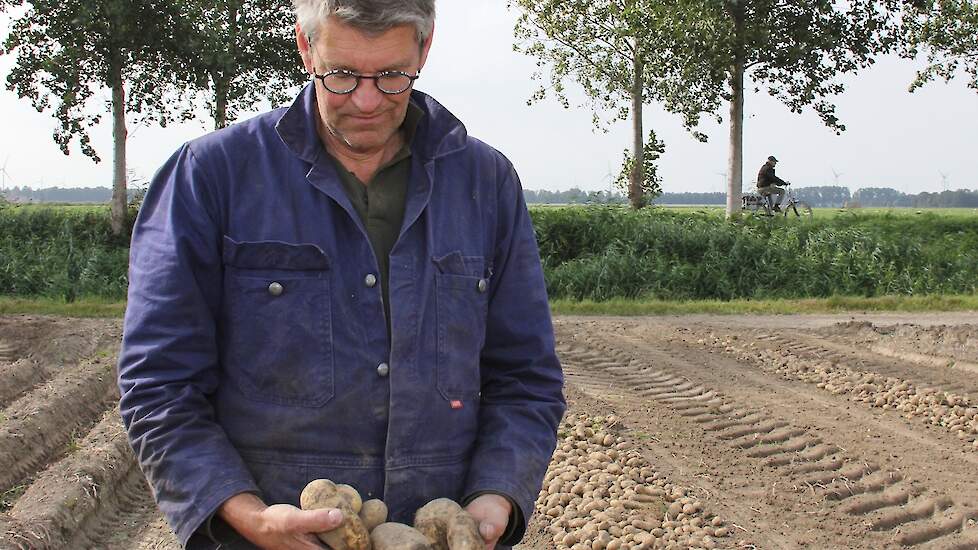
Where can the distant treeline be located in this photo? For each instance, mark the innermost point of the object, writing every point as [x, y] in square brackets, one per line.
[62, 194]
[827, 196]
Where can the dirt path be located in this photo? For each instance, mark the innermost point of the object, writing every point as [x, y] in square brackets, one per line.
[845, 431]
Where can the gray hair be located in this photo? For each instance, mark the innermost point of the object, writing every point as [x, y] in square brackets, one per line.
[372, 16]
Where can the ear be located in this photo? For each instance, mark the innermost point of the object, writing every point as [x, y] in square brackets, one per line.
[426, 47]
[302, 41]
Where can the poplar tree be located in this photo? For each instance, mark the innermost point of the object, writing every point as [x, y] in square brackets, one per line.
[795, 50]
[624, 54]
[69, 51]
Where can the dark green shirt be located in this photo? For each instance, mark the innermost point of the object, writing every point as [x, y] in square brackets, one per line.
[380, 202]
[380, 205]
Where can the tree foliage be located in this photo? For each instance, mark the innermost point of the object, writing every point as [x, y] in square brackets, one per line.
[796, 50]
[946, 31]
[242, 52]
[651, 180]
[67, 52]
[594, 43]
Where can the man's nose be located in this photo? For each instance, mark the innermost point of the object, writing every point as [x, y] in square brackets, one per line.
[367, 98]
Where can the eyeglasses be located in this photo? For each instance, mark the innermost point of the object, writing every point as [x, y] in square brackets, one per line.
[342, 81]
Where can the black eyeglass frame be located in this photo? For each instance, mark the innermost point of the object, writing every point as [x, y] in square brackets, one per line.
[376, 78]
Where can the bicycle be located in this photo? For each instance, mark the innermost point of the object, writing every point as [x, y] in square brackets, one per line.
[755, 202]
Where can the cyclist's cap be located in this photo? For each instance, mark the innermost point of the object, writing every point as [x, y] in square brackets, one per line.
[772, 159]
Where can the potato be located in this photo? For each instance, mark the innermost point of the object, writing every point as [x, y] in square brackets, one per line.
[397, 536]
[463, 533]
[432, 521]
[351, 534]
[352, 495]
[373, 513]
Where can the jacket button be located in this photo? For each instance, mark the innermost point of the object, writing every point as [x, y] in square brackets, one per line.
[370, 280]
[483, 285]
[275, 289]
[383, 370]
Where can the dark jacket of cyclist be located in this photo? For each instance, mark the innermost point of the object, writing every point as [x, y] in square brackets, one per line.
[766, 177]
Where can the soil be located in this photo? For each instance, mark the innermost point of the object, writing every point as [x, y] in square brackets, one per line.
[827, 431]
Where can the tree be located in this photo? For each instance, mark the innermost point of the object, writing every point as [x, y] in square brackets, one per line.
[651, 183]
[624, 54]
[795, 50]
[244, 51]
[67, 51]
[947, 32]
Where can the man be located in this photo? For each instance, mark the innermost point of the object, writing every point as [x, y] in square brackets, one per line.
[348, 288]
[767, 182]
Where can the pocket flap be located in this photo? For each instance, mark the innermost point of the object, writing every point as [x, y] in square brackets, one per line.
[454, 263]
[273, 255]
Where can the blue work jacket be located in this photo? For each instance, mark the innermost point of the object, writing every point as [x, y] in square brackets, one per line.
[256, 355]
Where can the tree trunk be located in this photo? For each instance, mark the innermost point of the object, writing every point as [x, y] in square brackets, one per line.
[120, 201]
[222, 82]
[220, 102]
[638, 152]
[735, 166]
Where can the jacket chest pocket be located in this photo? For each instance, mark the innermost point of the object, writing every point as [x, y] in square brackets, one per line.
[462, 295]
[276, 326]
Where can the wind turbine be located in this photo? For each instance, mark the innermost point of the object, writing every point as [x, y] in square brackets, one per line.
[944, 179]
[723, 182]
[4, 175]
[837, 175]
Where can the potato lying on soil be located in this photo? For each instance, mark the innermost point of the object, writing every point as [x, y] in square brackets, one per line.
[351, 534]
[373, 513]
[432, 520]
[397, 536]
[463, 532]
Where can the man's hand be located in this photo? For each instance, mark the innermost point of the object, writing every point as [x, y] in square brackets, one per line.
[491, 512]
[280, 526]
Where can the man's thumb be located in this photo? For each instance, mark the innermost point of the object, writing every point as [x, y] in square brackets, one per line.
[317, 521]
[489, 531]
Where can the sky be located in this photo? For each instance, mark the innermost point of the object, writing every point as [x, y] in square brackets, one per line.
[910, 142]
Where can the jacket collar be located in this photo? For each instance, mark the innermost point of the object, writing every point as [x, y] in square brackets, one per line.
[438, 134]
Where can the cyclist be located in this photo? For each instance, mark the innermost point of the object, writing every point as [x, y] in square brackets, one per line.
[768, 182]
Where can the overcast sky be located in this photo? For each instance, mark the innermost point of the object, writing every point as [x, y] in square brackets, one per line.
[912, 142]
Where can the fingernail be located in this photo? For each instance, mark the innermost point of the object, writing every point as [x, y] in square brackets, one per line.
[487, 530]
[335, 515]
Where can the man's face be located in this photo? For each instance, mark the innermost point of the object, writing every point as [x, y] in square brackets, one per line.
[366, 120]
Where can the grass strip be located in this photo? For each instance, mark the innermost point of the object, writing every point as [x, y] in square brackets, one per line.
[835, 304]
[103, 308]
[82, 307]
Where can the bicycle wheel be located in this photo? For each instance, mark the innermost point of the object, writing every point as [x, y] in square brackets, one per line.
[800, 209]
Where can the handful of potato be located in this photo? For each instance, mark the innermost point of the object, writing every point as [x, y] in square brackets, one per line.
[439, 525]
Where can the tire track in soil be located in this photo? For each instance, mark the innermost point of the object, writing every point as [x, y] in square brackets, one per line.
[959, 381]
[44, 423]
[880, 497]
[35, 349]
[67, 497]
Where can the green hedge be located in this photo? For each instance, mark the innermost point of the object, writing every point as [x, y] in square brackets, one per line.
[593, 253]
[600, 253]
[63, 252]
